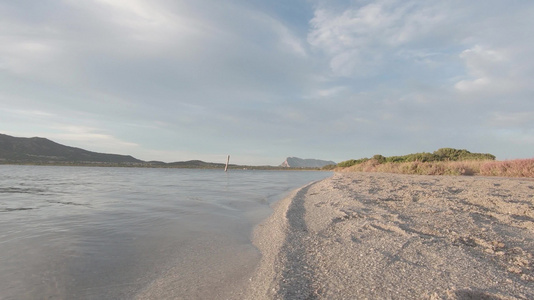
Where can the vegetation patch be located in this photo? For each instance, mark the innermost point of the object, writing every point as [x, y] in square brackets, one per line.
[445, 161]
[440, 155]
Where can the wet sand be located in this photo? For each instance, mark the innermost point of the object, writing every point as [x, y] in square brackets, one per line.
[390, 236]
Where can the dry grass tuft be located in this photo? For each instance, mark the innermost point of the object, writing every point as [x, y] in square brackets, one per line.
[509, 168]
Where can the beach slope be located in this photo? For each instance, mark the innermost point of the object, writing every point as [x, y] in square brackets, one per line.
[390, 236]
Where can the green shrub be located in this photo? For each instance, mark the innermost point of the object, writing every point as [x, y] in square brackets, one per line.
[379, 158]
[328, 167]
[443, 154]
[450, 154]
[351, 162]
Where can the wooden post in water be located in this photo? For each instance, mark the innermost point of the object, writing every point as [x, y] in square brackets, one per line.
[227, 161]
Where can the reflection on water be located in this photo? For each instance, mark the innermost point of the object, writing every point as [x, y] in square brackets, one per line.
[110, 233]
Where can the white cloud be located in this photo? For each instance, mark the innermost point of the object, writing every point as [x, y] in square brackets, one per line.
[27, 113]
[26, 56]
[326, 93]
[92, 139]
[492, 71]
[151, 22]
[287, 39]
[140, 9]
[360, 39]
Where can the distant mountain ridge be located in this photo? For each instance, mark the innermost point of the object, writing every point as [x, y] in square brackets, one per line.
[295, 162]
[36, 149]
[42, 151]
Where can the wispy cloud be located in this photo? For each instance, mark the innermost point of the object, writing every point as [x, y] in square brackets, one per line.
[361, 39]
[493, 72]
[93, 138]
[27, 113]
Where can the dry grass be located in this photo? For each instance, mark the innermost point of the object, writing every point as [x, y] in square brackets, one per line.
[509, 168]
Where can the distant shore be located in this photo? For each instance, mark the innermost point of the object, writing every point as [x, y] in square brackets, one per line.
[392, 236]
[176, 165]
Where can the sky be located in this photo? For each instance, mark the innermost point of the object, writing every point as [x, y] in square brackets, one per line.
[176, 80]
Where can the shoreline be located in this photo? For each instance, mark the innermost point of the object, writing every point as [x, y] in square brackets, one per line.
[379, 235]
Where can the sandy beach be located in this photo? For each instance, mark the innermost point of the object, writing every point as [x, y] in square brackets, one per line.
[389, 236]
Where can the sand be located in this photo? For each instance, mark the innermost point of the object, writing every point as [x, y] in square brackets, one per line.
[389, 236]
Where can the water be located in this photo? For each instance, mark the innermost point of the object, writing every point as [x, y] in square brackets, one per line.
[121, 233]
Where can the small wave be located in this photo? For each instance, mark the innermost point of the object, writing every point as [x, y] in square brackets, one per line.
[14, 190]
[16, 209]
[68, 203]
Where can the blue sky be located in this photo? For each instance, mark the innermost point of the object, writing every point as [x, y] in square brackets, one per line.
[262, 80]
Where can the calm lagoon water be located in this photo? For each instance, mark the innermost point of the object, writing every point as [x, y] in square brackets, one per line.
[118, 233]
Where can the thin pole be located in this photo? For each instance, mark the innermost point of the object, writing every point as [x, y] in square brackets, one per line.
[227, 161]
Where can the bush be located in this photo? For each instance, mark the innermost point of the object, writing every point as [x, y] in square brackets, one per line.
[379, 158]
[328, 167]
[450, 154]
[443, 154]
[351, 162]
[422, 157]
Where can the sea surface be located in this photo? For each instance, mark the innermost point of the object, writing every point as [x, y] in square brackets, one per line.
[117, 233]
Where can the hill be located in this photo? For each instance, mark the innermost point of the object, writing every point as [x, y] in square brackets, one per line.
[41, 150]
[295, 162]
[196, 164]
